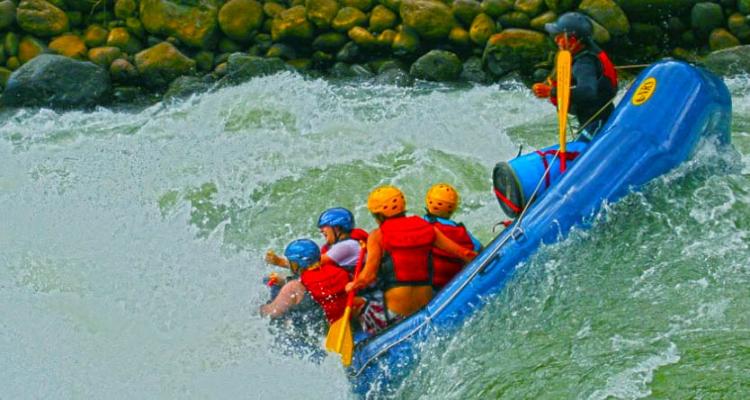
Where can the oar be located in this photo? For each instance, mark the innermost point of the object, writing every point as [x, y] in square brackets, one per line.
[562, 65]
[339, 339]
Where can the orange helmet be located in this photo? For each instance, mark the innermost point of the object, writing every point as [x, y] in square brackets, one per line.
[386, 200]
[441, 200]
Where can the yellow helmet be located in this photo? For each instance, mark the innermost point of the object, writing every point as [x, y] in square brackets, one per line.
[441, 200]
[386, 200]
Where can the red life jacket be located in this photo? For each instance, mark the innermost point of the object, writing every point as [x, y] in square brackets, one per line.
[407, 245]
[326, 286]
[444, 265]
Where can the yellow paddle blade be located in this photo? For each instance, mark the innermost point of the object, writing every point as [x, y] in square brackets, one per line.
[339, 339]
[563, 65]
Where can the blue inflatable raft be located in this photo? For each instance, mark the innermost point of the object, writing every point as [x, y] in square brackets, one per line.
[656, 126]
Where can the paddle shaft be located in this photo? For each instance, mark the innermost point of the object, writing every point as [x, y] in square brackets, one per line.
[563, 66]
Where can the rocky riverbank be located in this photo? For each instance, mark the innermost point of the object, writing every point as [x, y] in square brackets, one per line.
[70, 53]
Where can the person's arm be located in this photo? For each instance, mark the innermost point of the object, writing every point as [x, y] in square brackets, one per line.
[442, 242]
[290, 295]
[274, 259]
[369, 272]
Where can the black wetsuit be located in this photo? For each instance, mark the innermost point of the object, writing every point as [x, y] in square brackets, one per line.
[590, 90]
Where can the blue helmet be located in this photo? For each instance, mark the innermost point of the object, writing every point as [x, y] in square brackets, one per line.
[303, 252]
[337, 216]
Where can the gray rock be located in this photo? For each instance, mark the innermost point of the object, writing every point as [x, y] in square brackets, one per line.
[59, 82]
[185, 86]
[705, 17]
[473, 71]
[391, 73]
[241, 67]
[732, 61]
[437, 65]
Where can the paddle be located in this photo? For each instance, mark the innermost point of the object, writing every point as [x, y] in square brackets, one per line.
[339, 339]
[562, 65]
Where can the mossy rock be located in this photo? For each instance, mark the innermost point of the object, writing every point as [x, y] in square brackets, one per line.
[240, 19]
[272, 9]
[301, 64]
[204, 60]
[123, 71]
[40, 18]
[126, 8]
[514, 19]
[743, 6]
[393, 5]
[473, 71]
[429, 18]
[135, 26]
[363, 5]
[292, 24]
[738, 25]
[10, 42]
[69, 45]
[282, 51]
[159, 65]
[561, 6]
[321, 12]
[349, 53]
[705, 17]
[241, 68]
[347, 18]
[186, 86]
[95, 36]
[382, 18]
[647, 34]
[385, 39]
[721, 39]
[538, 23]
[330, 41]
[30, 47]
[496, 8]
[195, 24]
[227, 45]
[7, 14]
[532, 8]
[481, 29]
[13, 63]
[608, 14]
[406, 42]
[516, 50]
[122, 39]
[104, 56]
[437, 65]
[4, 75]
[466, 10]
[362, 37]
[392, 73]
[459, 37]
[322, 59]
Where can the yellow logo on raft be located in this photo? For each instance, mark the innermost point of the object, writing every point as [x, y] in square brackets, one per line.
[644, 92]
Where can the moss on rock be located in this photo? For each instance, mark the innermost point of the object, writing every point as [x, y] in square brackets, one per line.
[41, 18]
[69, 45]
[161, 64]
[240, 19]
[430, 19]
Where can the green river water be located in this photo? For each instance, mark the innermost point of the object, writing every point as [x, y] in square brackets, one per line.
[131, 244]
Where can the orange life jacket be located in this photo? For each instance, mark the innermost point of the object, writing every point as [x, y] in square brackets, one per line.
[407, 252]
[444, 265]
[326, 285]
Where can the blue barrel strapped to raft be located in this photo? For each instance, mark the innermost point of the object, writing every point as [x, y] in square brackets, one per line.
[515, 181]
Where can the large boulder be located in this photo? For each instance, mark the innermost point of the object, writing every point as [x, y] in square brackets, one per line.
[125, 8]
[292, 24]
[241, 67]
[159, 65]
[41, 18]
[382, 18]
[57, 81]
[496, 8]
[608, 14]
[516, 50]
[240, 19]
[347, 18]
[721, 38]
[532, 8]
[321, 12]
[122, 39]
[739, 26]
[473, 71]
[732, 61]
[30, 47]
[430, 19]
[437, 65]
[195, 25]
[481, 29]
[104, 56]
[7, 13]
[185, 86]
[95, 35]
[466, 10]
